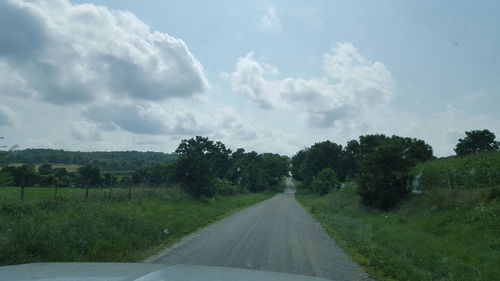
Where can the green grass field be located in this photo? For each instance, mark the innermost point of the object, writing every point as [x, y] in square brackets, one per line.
[31, 194]
[113, 229]
[442, 235]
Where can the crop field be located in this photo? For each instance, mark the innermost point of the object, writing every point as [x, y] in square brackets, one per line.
[478, 170]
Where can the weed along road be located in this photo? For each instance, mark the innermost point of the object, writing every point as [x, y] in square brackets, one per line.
[274, 235]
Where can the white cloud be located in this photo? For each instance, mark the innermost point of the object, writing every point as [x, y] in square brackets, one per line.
[83, 131]
[270, 20]
[6, 116]
[352, 87]
[72, 54]
[149, 119]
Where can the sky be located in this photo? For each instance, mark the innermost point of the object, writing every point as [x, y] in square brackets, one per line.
[269, 76]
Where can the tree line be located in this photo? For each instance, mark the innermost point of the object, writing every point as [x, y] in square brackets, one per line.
[202, 167]
[379, 163]
[106, 160]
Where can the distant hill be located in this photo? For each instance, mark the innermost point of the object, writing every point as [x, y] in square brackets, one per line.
[108, 160]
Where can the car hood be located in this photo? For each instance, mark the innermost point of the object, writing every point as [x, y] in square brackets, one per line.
[138, 272]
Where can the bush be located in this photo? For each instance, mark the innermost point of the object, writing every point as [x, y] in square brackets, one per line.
[324, 181]
[384, 176]
[224, 187]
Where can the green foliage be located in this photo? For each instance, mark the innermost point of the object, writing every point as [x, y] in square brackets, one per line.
[296, 162]
[325, 181]
[6, 179]
[257, 172]
[45, 169]
[350, 159]
[103, 230]
[383, 176]
[90, 175]
[493, 193]
[200, 161]
[24, 175]
[111, 161]
[471, 171]
[346, 161]
[224, 187]
[435, 236]
[476, 141]
[319, 156]
[194, 173]
[109, 179]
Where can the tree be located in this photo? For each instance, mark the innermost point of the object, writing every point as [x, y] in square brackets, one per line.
[296, 162]
[215, 152]
[193, 171]
[60, 172]
[200, 161]
[383, 176]
[90, 177]
[416, 149]
[109, 180]
[45, 169]
[325, 181]
[350, 158]
[318, 157]
[24, 176]
[273, 167]
[476, 141]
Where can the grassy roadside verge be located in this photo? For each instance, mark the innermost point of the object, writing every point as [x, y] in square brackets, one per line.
[442, 235]
[116, 230]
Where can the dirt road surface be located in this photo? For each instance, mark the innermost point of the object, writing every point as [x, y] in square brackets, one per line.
[275, 235]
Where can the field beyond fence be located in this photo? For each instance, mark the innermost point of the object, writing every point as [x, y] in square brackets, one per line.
[105, 228]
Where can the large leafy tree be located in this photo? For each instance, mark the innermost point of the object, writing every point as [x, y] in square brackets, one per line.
[90, 176]
[296, 162]
[383, 176]
[200, 161]
[24, 176]
[350, 158]
[320, 156]
[476, 141]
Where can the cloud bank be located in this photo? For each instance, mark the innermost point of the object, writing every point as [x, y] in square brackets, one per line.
[76, 54]
[352, 86]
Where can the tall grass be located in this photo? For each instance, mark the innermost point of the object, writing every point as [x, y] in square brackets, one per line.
[104, 229]
[442, 235]
[473, 171]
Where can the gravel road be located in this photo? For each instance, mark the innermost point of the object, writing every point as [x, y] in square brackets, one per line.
[274, 235]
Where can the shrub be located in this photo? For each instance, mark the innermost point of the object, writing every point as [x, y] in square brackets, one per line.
[223, 187]
[384, 176]
[324, 181]
[493, 193]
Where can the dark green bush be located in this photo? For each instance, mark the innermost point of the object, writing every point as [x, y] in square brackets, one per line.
[324, 181]
[384, 176]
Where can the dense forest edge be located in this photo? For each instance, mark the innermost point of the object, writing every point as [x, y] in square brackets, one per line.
[407, 219]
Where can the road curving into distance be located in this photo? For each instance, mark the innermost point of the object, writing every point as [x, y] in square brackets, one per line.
[274, 235]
